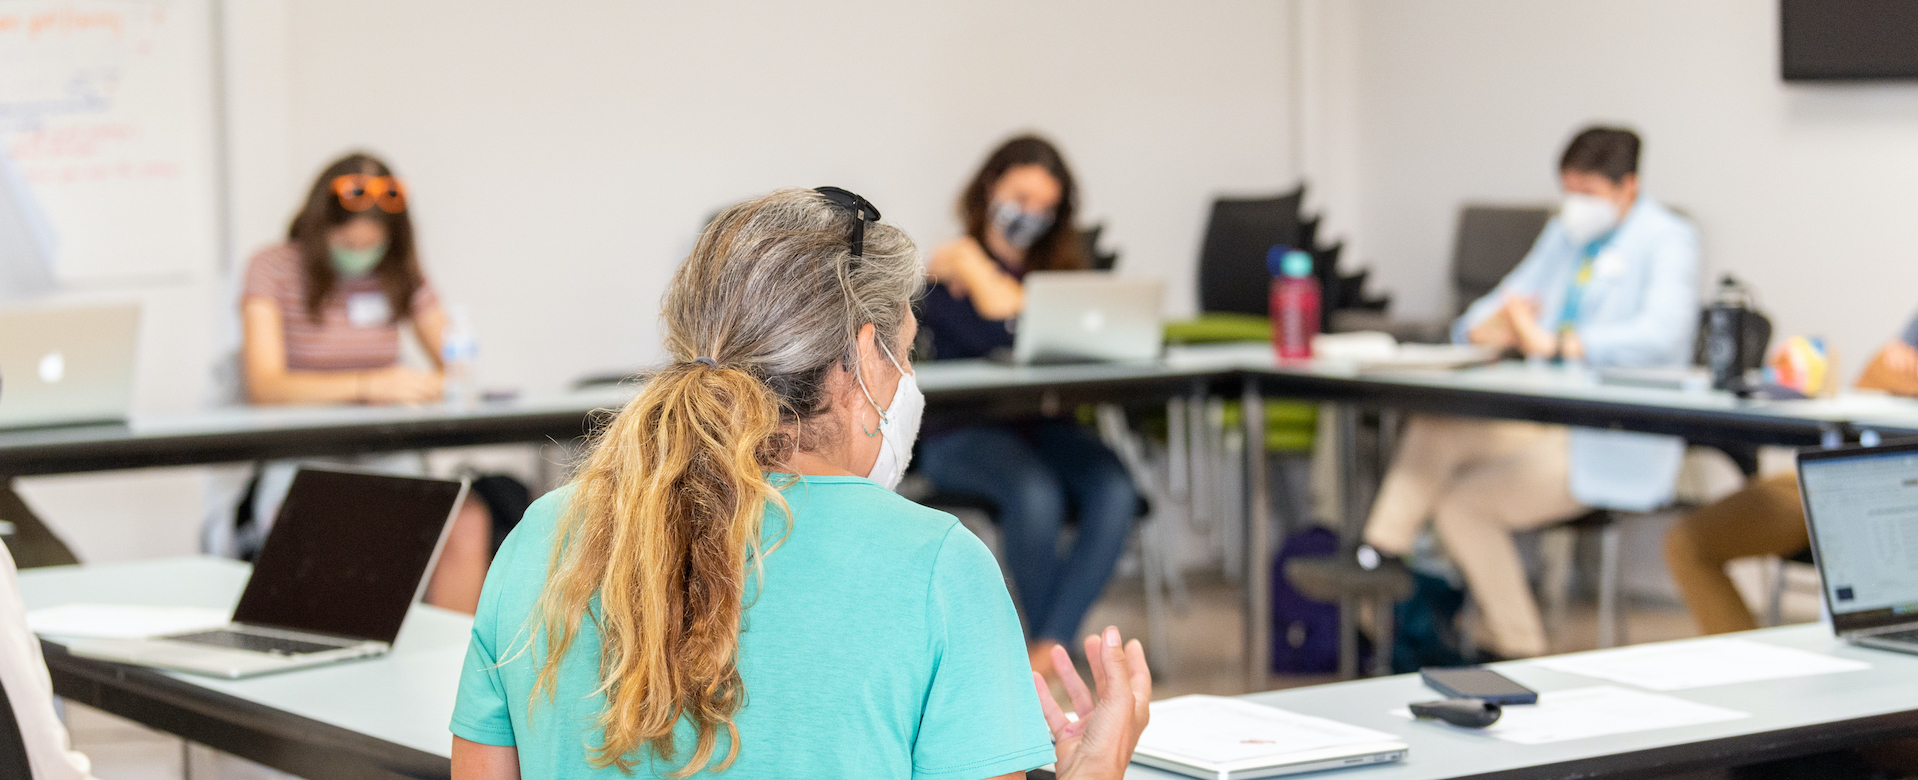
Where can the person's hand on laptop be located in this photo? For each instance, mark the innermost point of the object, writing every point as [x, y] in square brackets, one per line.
[1098, 745]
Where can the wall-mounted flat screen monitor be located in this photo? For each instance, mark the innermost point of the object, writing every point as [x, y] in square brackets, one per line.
[1838, 40]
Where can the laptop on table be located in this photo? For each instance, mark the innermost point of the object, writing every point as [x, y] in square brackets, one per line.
[347, 557]
[1861, 505]
[1088, 317]
[70, 365]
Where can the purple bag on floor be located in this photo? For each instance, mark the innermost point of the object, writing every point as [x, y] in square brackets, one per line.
[1305, 633]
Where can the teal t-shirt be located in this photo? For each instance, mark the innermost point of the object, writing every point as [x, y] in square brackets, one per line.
[883, 643]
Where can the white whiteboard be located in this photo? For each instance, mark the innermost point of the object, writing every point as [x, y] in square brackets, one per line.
[106, 109]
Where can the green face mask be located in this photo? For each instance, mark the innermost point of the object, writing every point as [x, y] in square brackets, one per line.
[356, 262]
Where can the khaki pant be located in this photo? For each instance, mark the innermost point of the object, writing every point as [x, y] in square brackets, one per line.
[1478, 481]
[1765, 518]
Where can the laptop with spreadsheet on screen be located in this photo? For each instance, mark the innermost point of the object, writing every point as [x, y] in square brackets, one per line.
[347, 557]
[1861, 504]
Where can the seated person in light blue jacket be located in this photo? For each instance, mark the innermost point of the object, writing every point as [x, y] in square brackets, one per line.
[1612, 281]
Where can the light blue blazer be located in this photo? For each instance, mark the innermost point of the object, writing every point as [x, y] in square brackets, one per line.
[1640, 309]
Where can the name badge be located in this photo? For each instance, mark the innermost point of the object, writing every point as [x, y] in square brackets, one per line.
[1610, 264]
[368, 310]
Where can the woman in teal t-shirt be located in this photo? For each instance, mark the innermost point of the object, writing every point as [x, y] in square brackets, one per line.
[731, 587]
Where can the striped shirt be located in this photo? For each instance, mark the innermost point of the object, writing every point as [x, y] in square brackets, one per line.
[356, 330]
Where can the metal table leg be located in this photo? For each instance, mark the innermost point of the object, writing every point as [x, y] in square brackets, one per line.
[1352, 527]
[1258, 544]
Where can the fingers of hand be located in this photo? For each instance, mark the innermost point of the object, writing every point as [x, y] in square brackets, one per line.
[1115, 684]
[1141, 674]
[1075, 687]
[1095, 649]
[1056, 720]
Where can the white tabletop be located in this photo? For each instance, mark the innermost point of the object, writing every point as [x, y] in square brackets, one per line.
[1437, 751]
[405, 697]
[966, 377]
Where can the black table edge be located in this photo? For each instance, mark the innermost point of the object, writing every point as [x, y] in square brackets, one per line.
[1738, 751]
[253, 731]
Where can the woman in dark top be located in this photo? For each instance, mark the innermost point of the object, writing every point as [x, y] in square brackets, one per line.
[1018, 215]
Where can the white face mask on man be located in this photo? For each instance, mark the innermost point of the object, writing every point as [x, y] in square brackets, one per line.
[898, 426]
[1586, 217]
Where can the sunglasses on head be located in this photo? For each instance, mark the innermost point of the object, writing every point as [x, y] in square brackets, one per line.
[359, 192]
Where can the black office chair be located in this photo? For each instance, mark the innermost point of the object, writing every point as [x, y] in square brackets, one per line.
[13, 748]
[1487, 243]
[1232, 273]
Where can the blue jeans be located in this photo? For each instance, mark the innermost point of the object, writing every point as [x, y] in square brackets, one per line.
[1037, 478]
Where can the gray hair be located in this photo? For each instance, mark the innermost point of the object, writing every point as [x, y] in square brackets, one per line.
[772, 289]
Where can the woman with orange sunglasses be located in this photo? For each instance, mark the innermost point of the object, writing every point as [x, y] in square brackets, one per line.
[321, 316]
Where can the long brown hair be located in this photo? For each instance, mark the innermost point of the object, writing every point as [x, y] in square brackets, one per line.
[398, 271]
[1062, 248]
[665, 523]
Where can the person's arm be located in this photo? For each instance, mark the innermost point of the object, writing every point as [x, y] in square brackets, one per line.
[1098, 746]
[429, 326]
[1667, 316]
[1494, 331]
[268, 381]
[1893, 370]
[1522, 282]
[972, 275]
[474, 761]
[23, 673]
[1531, 337]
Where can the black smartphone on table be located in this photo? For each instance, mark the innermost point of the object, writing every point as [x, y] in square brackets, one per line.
[1477, 682]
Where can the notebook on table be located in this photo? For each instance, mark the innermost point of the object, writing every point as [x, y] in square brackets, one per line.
[347, 557]
[1234, 739]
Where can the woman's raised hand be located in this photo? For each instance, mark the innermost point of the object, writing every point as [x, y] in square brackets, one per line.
[1098, 746]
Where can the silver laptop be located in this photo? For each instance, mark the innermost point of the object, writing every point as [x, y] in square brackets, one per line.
[1862, 507]
[1089, 317]
[347, 557]
[67, 365]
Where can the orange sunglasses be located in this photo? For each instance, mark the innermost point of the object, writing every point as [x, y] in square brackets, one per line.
[359, 192]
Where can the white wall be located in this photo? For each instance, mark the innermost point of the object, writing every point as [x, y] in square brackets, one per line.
[1807, 191]
[561, 157]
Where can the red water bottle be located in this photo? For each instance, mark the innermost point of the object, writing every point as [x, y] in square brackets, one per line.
[1295, 302]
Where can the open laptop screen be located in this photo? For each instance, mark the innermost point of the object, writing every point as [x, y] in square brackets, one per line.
[347, 553]
[1863, 509]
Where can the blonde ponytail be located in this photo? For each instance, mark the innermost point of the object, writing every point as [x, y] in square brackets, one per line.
[665, 523]
[691, 452]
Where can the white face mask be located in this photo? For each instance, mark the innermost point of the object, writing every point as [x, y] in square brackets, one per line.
[1586, 217]
[898, 425]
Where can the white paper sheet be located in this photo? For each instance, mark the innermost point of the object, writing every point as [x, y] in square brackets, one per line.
[122, 621]
[1699, 663]
[1220, 730]
[1597, 711]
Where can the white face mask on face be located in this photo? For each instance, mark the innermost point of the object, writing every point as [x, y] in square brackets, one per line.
[898, 425]
[1586, 217]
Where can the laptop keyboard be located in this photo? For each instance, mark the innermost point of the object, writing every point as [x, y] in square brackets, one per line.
[1909, 636]
[240, 640]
